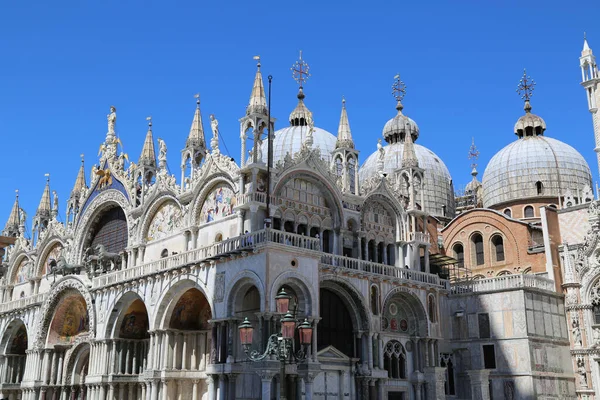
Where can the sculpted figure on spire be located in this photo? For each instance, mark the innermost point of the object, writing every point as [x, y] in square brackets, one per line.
[112, 119]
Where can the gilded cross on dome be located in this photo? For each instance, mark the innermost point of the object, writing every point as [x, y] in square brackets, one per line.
[526, 86]
[300, 71]
[398, 89]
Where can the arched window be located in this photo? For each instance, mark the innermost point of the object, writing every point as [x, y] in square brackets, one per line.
[508, 212]
[528, 212]
[339, 167]
[596, 314]
[394, 360]
[352, 174]
[218, 237]
[374, 300]
[459, 254]
[539, 187]
[431, 308]
[498, 245]
[552, 206]
[164, 253]
[477, 249]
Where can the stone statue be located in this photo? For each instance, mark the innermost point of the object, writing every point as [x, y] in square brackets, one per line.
[22, 216]
[259, 155]
[214, 125]
[576, 332]
[582, 372]
[54, 201]
[309, 136]
[112, 119]
[162, 152]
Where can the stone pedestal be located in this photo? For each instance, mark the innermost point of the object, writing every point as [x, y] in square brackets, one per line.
[435, 378]
[480, 384]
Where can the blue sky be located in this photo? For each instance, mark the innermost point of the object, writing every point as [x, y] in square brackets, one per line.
[64, 63]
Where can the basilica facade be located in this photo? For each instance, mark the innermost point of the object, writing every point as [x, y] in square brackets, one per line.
[409, 293]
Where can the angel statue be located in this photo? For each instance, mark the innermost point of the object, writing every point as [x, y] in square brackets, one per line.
[54, 201]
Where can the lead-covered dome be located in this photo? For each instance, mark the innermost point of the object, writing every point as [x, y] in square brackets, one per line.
[438, 188]
[290, 139]
[534, 166]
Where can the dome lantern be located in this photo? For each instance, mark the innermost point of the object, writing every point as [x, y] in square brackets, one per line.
[396, 128]
[529, 124]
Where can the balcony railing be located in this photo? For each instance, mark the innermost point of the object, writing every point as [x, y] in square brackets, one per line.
[504, 282]
[258, 238]
[381, 269]
[22, 303]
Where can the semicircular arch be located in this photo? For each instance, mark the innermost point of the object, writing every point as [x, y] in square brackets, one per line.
[294, 280]
[351, 297]
[216, 181]
[169, 298]
[158, 205]
[241, 283]
[413, 303]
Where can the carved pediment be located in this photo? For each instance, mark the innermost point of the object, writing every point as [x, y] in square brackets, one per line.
[330, 353]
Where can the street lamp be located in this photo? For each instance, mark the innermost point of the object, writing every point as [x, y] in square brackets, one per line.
[280, 345]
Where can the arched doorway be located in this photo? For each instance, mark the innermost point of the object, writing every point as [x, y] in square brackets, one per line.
[335, 328]
[186, 342]
[15, 343]
[77, 371]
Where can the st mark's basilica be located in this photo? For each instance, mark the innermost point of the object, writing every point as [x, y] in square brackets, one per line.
[310, 276]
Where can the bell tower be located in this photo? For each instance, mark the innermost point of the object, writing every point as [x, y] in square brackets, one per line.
[591, 82]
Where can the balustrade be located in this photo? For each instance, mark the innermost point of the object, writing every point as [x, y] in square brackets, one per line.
[503, 283]
[381, 269]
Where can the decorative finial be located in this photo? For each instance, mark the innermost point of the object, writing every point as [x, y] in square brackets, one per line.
[526, 86]
[197, 97]
[473, 154]
[257, 58]
[17, 193]
[47, 177]
[149, 119]
[300, 71]
[343, 102]
[398, 89]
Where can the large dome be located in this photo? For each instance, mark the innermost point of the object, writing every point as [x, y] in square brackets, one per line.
[513, 173]
[438, 187]
[290, 140]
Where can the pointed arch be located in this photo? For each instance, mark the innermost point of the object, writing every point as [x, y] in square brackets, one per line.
[174, 214]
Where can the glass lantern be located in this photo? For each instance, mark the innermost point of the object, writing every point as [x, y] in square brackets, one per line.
[246, 331]
[306, 332]
[282, 302]
[288, 326]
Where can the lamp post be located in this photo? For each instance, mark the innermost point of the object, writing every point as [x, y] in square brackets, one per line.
[280, 345]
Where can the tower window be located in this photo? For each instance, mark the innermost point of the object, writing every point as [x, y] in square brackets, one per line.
[489, 356]
[596, 314]
[459, 254]
[508, 212]
[528, 212]
[539, 187]
[477, 249]
[498, 245]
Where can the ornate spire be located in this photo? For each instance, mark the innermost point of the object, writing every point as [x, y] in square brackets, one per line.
[196, 136]
[529, 124]
[301, 116]
[258, 100]
[344, 137]
[80, 183]
[148, 156]
[586, 48]
[409, 157]
[45, 201]
[473, 156]
[12, 225]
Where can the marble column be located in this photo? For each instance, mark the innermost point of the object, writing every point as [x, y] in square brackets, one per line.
[266, 386]
[195, 390]
[435, 378]
[480, 387]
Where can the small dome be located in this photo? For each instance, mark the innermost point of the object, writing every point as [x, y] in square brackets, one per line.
[291, 138]
[395, 129]
[439, 191]
[534, 166]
